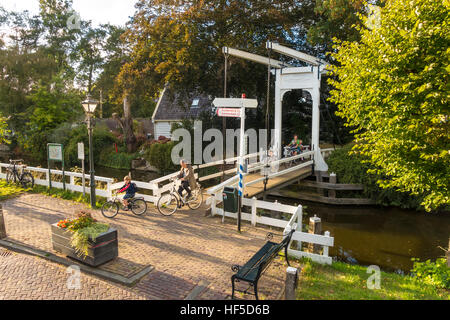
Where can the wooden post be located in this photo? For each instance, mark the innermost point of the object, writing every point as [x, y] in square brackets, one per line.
[448, 254]
[315, 227]
[2, 224]
[291, 283]
[333, 179]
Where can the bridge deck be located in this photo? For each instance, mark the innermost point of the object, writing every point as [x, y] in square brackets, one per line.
[257, 189]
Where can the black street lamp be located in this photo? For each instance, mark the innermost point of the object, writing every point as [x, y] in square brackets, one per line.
[89, 106]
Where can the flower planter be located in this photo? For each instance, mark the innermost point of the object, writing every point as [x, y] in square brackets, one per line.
[103, 249]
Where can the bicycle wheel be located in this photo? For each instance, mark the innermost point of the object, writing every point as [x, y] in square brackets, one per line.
[167, 204]
[139, 207]
[110, 209]
[27, 180]
[196, 201]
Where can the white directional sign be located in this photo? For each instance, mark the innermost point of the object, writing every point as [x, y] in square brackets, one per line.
[229, 112]
[81, 151]
[235, 103]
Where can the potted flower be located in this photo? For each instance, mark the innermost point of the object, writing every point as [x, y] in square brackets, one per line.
[85, 239]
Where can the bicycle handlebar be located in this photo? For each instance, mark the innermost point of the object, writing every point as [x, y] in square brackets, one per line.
[15, 161]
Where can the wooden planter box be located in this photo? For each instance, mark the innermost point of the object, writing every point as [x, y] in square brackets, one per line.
[103, 249]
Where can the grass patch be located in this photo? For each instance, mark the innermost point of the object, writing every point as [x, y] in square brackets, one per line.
[342, 281]
[67, 195]
[8, 191]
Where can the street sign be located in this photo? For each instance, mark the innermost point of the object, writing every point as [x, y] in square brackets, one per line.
[55, 152]
[235, 103]
[81, 151]
[81, 157]
[229, 112]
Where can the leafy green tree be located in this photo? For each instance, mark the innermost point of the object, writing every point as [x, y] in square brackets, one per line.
[338, 19]
[52, 106]
[179, 42]
[4, 132]
[392, 88]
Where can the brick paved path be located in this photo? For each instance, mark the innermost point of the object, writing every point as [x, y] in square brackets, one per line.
[186, 249]
[30, 278]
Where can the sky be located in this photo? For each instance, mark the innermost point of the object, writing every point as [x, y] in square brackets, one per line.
[114, 12]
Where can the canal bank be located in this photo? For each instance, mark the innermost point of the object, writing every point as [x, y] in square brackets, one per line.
[388, 237]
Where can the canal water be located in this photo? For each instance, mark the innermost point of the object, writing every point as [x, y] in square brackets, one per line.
[388, 237]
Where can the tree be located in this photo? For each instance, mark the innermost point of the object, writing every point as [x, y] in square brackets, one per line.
[392, 88]
[179, 42]
[338, 19]
[127, 126]
[4, 132]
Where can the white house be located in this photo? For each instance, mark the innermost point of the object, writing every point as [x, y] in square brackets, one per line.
[173, 108]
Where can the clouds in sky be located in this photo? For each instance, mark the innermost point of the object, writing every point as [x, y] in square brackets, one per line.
[99, 11]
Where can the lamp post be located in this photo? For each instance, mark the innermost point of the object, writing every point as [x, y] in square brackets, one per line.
[89, 106]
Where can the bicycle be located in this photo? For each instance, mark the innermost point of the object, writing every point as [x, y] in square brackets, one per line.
[111, 208]
[169, 203]
[26, 179]
[291, 152]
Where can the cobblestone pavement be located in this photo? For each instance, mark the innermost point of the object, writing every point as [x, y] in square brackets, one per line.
[186, 249]
[30, 278]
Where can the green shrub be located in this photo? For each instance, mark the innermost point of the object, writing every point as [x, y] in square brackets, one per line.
[433, 273]
[349, 168]
[111, 159]
[159, 155]
[102, 140]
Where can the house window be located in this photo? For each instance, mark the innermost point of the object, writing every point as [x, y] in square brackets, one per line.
[195, 103]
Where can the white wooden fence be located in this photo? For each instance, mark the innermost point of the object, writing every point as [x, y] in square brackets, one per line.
[295, 222]
[324, 240]
[71, 185]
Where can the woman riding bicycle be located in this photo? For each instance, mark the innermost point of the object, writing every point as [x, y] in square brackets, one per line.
[187, 179]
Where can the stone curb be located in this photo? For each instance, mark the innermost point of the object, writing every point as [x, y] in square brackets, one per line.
[89, 270]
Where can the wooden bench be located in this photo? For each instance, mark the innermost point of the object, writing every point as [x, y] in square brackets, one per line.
[255, 267]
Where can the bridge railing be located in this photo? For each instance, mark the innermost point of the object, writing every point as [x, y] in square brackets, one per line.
[258, 166]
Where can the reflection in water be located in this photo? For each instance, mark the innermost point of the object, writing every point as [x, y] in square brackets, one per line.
[387, 237]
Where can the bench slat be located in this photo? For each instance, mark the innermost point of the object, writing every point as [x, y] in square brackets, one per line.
[253, 268]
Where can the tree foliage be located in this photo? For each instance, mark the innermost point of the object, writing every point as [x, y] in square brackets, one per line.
[4, 131]
[392, 88]
[181, 42]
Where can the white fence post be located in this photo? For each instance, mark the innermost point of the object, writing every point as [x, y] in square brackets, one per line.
[213, 205]
[299, 224]
[254, 211]
[108, 190]
[325, 248]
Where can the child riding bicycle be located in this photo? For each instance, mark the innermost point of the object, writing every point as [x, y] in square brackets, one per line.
[130, 189]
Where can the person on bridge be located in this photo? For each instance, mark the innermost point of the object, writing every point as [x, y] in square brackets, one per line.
[296, 145]
[187, 178]
[130, 189]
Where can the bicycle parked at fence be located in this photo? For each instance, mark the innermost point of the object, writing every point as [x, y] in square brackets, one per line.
[169, 203]
[13, 175]
[111, 208]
